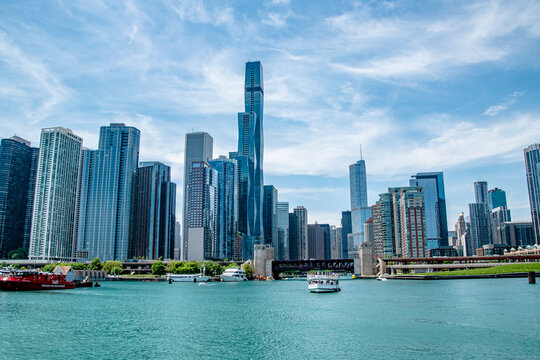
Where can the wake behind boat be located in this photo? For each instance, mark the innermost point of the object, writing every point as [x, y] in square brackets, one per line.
[322, 282]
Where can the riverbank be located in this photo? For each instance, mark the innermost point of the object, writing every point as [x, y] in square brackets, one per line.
[503, 271]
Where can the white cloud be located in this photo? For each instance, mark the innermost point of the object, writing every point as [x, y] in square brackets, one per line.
[508, 101]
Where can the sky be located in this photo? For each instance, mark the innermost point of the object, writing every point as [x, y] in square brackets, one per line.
[450, 86]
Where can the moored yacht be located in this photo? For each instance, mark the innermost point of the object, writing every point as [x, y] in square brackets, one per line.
[323, 281]
[187, 277]
[233, 274]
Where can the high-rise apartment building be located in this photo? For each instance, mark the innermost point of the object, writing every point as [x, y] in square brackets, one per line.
[326, 244]
[412, 221]
[481, 192]
[480, 225]
[18, 164]
[270, 210]
[251, 148]
[199, 147]
[227, 208]
[383, 230]
[283, 230]
[106, 194]
[153, 216]
[202, 212]
[532, 167]
[432, 184]
[360, 211]
[499, 215]
[55, 201]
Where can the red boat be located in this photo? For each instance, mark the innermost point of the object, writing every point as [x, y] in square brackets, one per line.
[33, 280]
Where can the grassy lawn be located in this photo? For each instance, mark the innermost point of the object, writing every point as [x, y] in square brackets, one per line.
[503, 269]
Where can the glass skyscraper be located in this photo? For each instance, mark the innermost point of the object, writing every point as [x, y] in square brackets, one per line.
[532, 167]
[346, 226]
[360, 211]
[270, 209]
[198, 147]
[251, 146]
[283, 230]
[435, 207]
[55, 201]
[153, 214]
[17, 186]
[107, 183]
[227, 208]
[496, 198]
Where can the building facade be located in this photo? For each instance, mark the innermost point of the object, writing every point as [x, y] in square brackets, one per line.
[227, 208]
[153, 217]
[346, 230]
[360, 211]
[517, 233]
[315, 241]
[106, 194]
[202, 212]
[412, 221]
[432, 184]
[55, 202]
[383, 230]
[270, 210]
[18, 164]
[283, 230]
[198, 147]
[496, 198]
[532, 168]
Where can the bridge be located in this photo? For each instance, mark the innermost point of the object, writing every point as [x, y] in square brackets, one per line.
[279, 266]
[430, 264]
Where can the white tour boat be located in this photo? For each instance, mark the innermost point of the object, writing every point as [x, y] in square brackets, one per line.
[322, 281]
[187, 277]
[233, 274]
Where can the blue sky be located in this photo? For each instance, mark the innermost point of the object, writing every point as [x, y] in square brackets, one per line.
[423, 86]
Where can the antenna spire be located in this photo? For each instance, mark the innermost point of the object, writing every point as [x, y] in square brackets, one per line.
[361, 158]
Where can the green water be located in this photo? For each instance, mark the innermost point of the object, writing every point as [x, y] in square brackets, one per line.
[449, 319]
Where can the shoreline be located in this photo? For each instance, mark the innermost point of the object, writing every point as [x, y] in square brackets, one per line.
[457, 277]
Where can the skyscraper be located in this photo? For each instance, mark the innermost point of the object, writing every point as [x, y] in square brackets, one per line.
[412, 221]
[360, 211]
[283, 230]
[432, 184]
[199, 147]
[202, 212]
[480, 216]
[227, 208]
[496, 198]
[383, 230]
[532, 167]
[270, 209]
[481, 192]
[17, 186]
[153, 217]
[55, 201]
[315, 241]
[107, 184]
[346, 230]
[298, 233]
[251, 146]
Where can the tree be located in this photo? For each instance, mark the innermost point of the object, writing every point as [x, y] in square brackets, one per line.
[231, 265]
[171, 266]
[109, 265]
[48, 267]
[191, 267]
[19, 254]
[95, 264]
[213, 268]
[117, 270]
[158, 268]
[77, 266]
[249, 270]
[4, 264]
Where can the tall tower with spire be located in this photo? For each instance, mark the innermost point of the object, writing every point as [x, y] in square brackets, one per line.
[360, 211]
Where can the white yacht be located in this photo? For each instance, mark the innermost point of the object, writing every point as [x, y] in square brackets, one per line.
[233, 274]
[187, 277]
[323, 281]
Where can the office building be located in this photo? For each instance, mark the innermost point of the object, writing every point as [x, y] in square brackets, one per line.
[383, 226]
[498, 216]
[517, 233]
[153, 218]
[412, 222]
[496, 198]
[55, 202]
[360, 211]
[315, 241]
[227, 208]
[532, 168]
[298, 241]
[326, 243]
[480, 225]
[346, 230]
[270, 210]
[481, 192]
[177, 241]
[198, 147]
[18, 164]
[202, 212]
[106, 194]
[283, 230]
[432, 184]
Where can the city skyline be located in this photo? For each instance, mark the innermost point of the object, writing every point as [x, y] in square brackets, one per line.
[471, 125]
